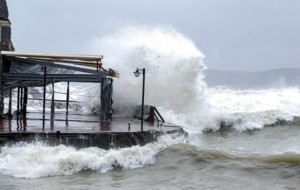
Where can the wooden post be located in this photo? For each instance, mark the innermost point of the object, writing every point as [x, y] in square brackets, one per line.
[18, 101]
[21, 100]
[25, 95]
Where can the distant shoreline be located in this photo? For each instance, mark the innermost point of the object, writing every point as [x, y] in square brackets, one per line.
[275, 78]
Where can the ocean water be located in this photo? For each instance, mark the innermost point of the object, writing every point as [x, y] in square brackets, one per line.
[257, 149]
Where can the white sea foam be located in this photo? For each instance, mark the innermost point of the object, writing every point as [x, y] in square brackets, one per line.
[33, 160]
[249, 109]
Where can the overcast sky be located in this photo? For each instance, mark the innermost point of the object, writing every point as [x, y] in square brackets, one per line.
[233, 34]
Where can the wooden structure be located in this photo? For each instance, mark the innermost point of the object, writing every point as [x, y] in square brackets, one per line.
[23, 70]
[19, 70]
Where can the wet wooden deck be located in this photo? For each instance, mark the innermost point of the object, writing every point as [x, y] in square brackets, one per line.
[77, 123]
[83, 130]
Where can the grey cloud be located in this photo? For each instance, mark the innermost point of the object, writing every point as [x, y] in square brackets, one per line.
[233, 34]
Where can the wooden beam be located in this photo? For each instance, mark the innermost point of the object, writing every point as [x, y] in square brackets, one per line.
[54, 56]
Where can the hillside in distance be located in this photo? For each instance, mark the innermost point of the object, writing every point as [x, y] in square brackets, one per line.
[275, 78]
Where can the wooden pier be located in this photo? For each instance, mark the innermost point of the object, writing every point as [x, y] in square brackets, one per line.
[83, 130]
[24, 70]
[20, 71]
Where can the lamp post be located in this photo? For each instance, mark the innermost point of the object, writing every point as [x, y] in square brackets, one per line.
[137, 74]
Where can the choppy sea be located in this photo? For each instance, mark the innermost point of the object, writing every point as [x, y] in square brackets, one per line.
[258, 149]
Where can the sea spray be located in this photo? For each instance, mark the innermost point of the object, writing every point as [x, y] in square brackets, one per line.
[174, 67]
[174, 84]
[253, 109]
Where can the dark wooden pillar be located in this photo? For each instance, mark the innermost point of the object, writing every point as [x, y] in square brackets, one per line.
[18, 101]
[25, 99]
[21, 100]
[9, 112]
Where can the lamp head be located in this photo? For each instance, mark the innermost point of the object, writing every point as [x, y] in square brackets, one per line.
[136, 73]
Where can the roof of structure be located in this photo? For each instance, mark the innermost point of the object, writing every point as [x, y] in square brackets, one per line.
[25, 69]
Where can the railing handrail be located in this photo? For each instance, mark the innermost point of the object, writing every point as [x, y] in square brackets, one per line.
[156, 112]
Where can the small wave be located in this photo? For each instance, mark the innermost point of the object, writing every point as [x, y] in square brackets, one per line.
[204, 155]
[287, 157]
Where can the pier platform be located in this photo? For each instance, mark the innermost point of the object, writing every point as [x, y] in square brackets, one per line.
[83, 130]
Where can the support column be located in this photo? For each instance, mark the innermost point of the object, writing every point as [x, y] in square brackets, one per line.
[67, 101]
[44, 98]
[106, 99]
[21, 100]
[25, 98]
[18, 101]
[52, 103]
[102, 117]
[1, 77]
[52, 106]
[9, 112]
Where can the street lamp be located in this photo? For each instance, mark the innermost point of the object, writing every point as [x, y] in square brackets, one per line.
[137, 74]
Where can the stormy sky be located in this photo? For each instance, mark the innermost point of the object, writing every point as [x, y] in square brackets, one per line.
[233, 34]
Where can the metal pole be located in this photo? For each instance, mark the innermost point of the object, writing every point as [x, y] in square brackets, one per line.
[44, 100]
[68, 97]
[101, 99]
[52, 102]
[143, 95]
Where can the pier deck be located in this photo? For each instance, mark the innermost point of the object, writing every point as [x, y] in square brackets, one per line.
[83, 130]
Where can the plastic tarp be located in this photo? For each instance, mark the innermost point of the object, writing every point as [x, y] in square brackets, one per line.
[25, 67]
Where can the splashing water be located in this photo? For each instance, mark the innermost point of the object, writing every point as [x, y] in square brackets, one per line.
[33, 160]
[174, 67]
[253, 109]
[174, 83]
